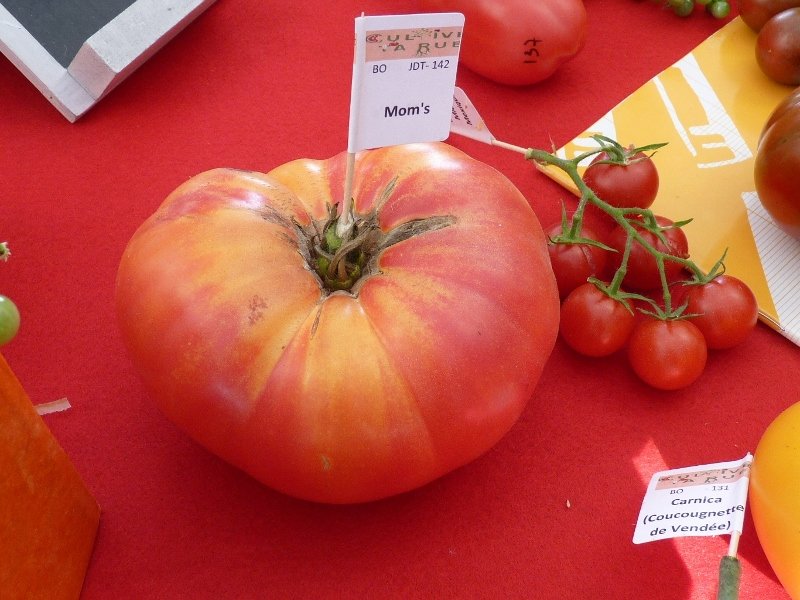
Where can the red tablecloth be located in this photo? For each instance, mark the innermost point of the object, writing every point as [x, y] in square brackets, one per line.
[548, 513]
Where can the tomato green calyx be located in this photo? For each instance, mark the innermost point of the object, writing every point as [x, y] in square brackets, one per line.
[5, 251]
[620, 155]
[700, 278]
[668, 314]
[340, 261]
[617, 294]
[571, 233]
[343, 263]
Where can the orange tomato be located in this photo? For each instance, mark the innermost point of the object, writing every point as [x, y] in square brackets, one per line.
[775, 497]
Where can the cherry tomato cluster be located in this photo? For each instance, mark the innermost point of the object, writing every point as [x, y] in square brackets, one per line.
[9, 315]
[633, 287]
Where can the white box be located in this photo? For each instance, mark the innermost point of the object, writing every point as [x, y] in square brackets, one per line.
[76, 52]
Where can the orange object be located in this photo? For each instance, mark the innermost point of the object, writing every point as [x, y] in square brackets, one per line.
[775, 496]
[48, 519]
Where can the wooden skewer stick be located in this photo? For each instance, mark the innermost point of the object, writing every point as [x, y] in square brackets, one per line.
[345, 222]
[508, 146]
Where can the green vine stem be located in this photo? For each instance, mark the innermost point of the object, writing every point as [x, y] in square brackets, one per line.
[622, 217]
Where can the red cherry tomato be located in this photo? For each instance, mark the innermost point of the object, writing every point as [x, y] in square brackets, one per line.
[642, 273]
[776, 167]
[778, 47]
[667, 354]
[757, 12]
[593, 323]
[517, 42]
[574, 263]
[727, 310]
[632, 183]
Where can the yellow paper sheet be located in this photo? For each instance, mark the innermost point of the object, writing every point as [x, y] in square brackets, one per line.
[710, 107]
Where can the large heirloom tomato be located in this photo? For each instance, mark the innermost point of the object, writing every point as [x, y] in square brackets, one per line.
[775, 496]
[517, 42]
[342, 395]
[777, 164]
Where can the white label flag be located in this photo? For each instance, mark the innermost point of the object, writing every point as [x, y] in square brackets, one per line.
[695, 501]
[465, 119]
[404, 74]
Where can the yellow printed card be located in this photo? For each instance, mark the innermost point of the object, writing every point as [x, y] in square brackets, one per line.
[710, 106]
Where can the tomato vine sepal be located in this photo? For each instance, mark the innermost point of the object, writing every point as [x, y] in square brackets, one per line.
[622, 155]
[612, 290]
[573, 232]
[343, 256]
[339, 261]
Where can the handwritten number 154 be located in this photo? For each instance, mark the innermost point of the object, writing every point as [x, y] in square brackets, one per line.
[531, 51]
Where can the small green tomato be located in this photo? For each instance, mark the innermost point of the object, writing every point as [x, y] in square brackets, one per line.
[719, 9]
[9, 320]
[682, 8]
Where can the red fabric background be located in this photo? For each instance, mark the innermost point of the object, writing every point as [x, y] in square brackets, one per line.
[253, 84]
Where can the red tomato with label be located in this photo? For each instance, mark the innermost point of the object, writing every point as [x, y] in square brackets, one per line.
[631, 183]
[517, 42]
[726, 310]
[777, 164]
[574, 263]
[778, 47]
[342, 395]
[642, 274]
[757, 12]
[667, 354]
